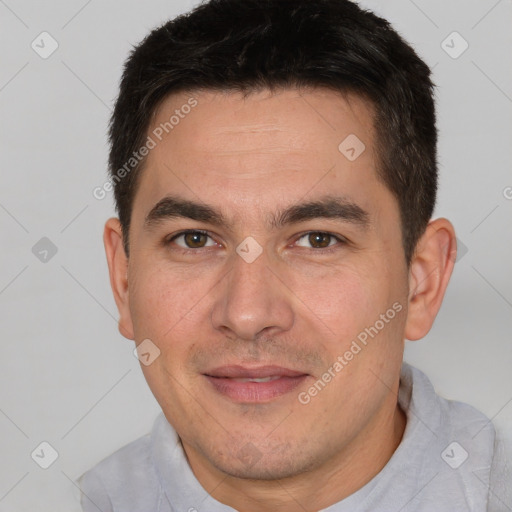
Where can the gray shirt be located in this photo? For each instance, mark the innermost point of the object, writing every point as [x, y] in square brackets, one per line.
[448, 460]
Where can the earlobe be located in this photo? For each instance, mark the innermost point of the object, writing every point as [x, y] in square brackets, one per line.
[429, 274]
[118, 270]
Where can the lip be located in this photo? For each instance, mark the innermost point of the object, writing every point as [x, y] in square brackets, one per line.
[226, 381]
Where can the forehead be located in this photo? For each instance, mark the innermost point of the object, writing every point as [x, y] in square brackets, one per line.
[262, 149]
[285, 119]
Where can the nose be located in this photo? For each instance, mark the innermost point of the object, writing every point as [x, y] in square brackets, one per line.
[253, 300]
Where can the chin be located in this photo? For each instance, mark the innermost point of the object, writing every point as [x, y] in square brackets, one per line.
[250, 463]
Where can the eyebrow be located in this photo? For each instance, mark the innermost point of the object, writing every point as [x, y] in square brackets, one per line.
[328, 207]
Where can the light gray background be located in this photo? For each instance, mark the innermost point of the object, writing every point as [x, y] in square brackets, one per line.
[67, 376]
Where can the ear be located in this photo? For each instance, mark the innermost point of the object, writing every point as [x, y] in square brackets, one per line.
[118, 269]
[429, 273]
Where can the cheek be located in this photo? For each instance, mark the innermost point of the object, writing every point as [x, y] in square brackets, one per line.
[346, 305]
[338, 299]
[163, 300]
[165, 308]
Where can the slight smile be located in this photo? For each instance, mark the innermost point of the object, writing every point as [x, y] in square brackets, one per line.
[254, 384]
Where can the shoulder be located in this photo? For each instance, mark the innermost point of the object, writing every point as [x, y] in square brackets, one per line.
[451, 416]
[125, 480]
[500, 487]
[455, 440]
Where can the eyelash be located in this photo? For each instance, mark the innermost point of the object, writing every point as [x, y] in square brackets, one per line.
[325, 250]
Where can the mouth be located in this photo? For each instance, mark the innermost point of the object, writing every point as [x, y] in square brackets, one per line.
[261, 384]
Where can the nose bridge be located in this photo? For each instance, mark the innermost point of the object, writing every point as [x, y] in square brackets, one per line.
[251, 298]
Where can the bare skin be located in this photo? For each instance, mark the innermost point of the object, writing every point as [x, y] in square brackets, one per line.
[299, 305]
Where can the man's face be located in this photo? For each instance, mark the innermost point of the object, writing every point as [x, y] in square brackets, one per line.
[251, 314]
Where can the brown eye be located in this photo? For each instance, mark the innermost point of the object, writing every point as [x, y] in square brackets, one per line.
[192, 240]
[195, 240]
[319, 240]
